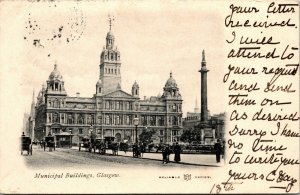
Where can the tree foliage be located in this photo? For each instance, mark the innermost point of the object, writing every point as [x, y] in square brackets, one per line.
[190, 136]
[146, 136]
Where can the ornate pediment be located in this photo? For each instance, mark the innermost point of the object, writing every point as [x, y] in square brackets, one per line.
[119, 94]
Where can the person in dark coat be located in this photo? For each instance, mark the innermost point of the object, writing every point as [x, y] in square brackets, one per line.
[134, 150]
[177, 151]
[168, 152]
[165, 154]
[218, 149]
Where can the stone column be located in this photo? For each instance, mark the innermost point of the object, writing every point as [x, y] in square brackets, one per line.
[214, 134]
[203, 71]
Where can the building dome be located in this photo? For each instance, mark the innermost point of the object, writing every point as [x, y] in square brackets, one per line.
[170, 82]
[55, 74]
[110, 35]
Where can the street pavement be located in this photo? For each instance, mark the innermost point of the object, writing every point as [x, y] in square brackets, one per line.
[71, 157]
[186, 159]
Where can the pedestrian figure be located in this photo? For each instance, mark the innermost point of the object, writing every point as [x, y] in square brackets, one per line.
[218, 149]
[168, 151]
[134, 150]
[177, 151]
[142, 149]
[223, 150]
[166, 154]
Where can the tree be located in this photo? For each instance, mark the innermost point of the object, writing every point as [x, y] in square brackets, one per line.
[190, 136]
[145, 136]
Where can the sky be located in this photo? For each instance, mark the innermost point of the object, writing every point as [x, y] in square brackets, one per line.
[153, 40]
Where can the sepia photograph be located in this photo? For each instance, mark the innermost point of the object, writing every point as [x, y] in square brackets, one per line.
[136, 107]
[132, 97]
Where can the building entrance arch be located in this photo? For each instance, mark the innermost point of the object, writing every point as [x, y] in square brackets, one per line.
[118, 137]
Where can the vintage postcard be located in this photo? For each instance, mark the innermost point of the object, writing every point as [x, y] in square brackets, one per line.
[157, 97]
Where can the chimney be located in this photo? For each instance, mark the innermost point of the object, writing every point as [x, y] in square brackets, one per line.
[78, 94]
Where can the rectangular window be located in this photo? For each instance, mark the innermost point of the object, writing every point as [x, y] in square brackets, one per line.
[161, 132]
[80, 131]
[152, 120]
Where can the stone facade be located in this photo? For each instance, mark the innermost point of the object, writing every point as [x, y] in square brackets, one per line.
[110, 112]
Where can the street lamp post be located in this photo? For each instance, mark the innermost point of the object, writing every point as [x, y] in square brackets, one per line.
[70, 138]
[91, 131]
[136, 123]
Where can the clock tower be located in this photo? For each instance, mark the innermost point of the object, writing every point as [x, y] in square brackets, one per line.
[110, 64]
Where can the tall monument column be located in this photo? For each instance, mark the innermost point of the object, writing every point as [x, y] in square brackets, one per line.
[203, 71]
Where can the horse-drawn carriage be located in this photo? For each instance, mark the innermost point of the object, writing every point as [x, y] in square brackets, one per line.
[99, 144]
[26, 144]
[86, 144]
[49, 142]
[102, 145]
[111, 145]
[136, 151]
[124, 146]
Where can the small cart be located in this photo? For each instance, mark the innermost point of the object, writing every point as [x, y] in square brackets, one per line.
[26, 145]
[49, 142]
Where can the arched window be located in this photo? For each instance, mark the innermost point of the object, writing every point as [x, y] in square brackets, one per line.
[107, 120]
[56, 103]
[160, 121]
[70, 119]
[80, 119]
[110, 119]
[89, 119]
[118, 137]
[174, 120]
[56, 86]
[152, 120]
[99, 120]
[117, 120]
[55, 118]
